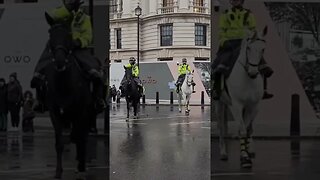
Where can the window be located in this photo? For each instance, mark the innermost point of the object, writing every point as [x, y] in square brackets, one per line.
[201, 59]
[118, 38]
[167, 3]
[165, 59]
[198, 6]
[166, 35]
[117, 60]
[198, 3]
[113, 7]
[200, 35]
[121, 5]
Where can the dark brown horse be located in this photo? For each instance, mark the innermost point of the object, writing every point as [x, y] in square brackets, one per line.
[69, 95]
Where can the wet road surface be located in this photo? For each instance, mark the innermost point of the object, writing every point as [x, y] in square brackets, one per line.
[162, 145]
[25, 157]
[275, 160]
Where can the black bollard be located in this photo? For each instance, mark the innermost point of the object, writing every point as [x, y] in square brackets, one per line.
[171, 97]
[157, 97]
[295, 115]
[202, 99]
[144, 99]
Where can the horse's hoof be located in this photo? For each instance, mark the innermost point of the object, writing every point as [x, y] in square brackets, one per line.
[224, 157]
[81, 175]
[252, 155]
[246, 162]
[58, 175]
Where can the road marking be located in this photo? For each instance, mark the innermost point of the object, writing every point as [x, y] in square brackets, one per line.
[149, 118]
[44, 169]
[233, 174]
[174, 124]
[124, 122]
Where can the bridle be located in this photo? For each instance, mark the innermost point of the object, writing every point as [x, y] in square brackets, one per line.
[248, 63]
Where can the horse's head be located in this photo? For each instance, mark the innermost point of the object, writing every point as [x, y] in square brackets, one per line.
[60, 42]
[189, 78]
[254, 46]
[128, 73]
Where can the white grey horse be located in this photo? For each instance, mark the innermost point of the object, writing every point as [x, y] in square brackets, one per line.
[185, 92]
[245, 91]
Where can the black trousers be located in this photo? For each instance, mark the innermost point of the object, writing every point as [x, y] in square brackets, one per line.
[14, 109]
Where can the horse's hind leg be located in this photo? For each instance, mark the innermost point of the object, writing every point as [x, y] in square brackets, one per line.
[128, 110]
[249, 116]
[58, 144]
[221, 111]
[237, 112]
[59, 149]
[179, 101]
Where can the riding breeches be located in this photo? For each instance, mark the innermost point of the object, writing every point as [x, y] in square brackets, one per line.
[181, 79]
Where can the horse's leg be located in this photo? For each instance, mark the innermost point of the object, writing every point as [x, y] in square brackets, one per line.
[221, 112]
[187, 99]
[249, 115]
[128, 109]
[179, 99]
[58, 144]
[81, 129]
[237, 112]
[135, 109]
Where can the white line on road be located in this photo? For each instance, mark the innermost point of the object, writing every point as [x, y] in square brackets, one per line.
[174, 124]
[150, 118]
[233, 174]
[43, 169]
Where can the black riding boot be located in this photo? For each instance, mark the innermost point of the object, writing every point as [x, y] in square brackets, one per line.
[216, 91]
[141, 91]
[178, 88]
[266, 95]
[193, 84]
[100, 104]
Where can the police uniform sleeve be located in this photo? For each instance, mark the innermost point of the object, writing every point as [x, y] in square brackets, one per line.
[86, 36]
[136, 71]
[58, 14]
[189, 69]
[223, 27]
[180, 70]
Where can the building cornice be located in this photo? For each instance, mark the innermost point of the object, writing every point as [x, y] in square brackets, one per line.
[159, 16]
[162, 48]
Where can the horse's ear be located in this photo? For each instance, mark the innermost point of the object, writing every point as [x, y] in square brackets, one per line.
[49, 19]
[124, 67]
[265, 31]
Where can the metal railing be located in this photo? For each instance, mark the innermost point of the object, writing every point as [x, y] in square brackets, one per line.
[165, 10]
[199, 9]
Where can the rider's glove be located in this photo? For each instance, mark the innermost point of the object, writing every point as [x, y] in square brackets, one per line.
[76, 43]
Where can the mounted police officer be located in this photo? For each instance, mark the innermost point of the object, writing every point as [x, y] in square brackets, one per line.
[73, 16]
[182, 70]
[232, 25]
[135, 73]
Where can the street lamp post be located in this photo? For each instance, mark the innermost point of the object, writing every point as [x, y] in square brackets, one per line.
[138, 11]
